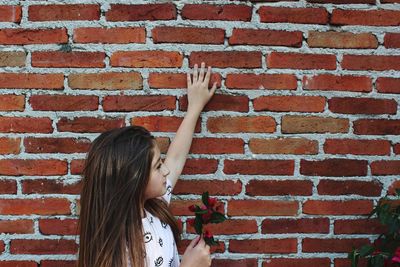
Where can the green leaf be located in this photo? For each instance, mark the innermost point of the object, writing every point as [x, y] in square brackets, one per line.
[366, 250]
[204, 198]
[397, 191]
[217, 217]
[353, 256]
[198, 226]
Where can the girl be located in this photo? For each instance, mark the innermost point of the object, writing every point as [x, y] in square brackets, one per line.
[124, 217]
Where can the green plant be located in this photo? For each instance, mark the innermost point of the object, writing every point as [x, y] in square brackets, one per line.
[385, 250]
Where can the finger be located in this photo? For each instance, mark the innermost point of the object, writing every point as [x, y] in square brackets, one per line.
[195, 73]
[189, 79]
[201, 77]
[193, 242]
[213, 88]
[208, 74]
[208, 248]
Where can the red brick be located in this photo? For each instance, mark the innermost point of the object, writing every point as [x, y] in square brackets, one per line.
[18, 264]
[259, 167]
[229, 227]
[45, 186]
[64, 102]
[58, 263]
[267, 81]
[392, 40]
[188, 35]
[348, 187]
[32, 81]
[107, 81]
[286, 245]
[341, 2]
[302, 225]
[10, 13]
[10, 145]
[389, 1]
[77, 166]
[2, 246]
[329, 82]
[25, 125]
[357, 147]
[89, 124]
[262, 208]
[313, 124]
[210, 145]
[75, 59]
[334, 167]
[12, 102]
[33, 36]
[56, 145]
[297, 262]
[63, 12]
[278, 188]
[16, 227]
[336, 207]
[120, 35]
[266, 37]
[346, 40]
[371, 62]
[333, 245]
[42, 206]
[177, 80]
[227, 59]
[297, 146]
[162, 124]
[220, 102]
[118, 12]
[358, 226]
[289, 103]
[214, 187]
[280, 60]
[216, 12]
[139, 103]
[200, 166]
[234, 263]
[43, 246]
[377, 126]
[147, 59]
[219, 248]
[257, 124]
[18, 167]
[352, 105]
[12, 58]
[385, 167]
[392, 188]
[58, 227]
[293, 15]
[8, 187]
[365, 17]
[388, 85]
[396, 148]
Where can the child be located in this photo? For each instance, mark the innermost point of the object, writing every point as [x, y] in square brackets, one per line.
[124, 217]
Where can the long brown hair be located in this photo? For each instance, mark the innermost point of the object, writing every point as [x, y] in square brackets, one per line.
[115, 175]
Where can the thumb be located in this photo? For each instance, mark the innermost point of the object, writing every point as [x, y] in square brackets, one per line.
[194, 242]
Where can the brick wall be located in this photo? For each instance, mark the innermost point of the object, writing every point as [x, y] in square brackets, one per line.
[300, 140]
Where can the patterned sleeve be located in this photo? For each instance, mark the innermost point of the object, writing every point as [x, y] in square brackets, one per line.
[167, 195]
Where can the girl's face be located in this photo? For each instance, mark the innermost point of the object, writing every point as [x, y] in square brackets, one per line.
[157, 185]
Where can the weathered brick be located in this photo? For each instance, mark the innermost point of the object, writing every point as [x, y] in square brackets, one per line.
[342, 2]
[259, 167]
[267, 81]
[216, 12]
[329, 82]
[220, 102]
[334, 167]
[226, 59]
[313, 124]
[10, 13]
[12, 59]
[58, 227]
[162, 124]
[8, 187]
[357, 147]
[56, 145]
[293, 15]
[392, 40]
[63, 12]
[75, 59]
[290, 103]
[228, 227]
[45, 186]
[119, 12]
[385, 167]
[278, 188]
[377, 126]
[254, 124]
[235, 262]
[12, 102]
[189, 35]
[388, 85]
[10, 145]
[18, 263]
[52, 263]
[19, 167]
[43, 246]
[89, 124]
[352, 105]
[266, 37]
[42, 206]
[346, 40]
[139, 103]
[33, 36]
[147, 59]
[297, 146]
[371, 62]
[31, 81]
[262, 208]
[64, 102]
[119, 35]
[303, 225]
[338, 207]
[107, 81]
[16, 227]
[365, 17]
[25, 125]
[348, 187]
[281, 60]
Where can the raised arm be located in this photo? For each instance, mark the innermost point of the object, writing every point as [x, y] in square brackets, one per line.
[198, 96]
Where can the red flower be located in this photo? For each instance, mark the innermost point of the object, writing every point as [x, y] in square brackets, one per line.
[203, 207]
[206, 217]
[192, 208]
[190, 222]
[207, 234]
[212, 201]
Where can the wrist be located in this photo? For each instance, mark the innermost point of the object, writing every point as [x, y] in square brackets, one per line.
[193, 112]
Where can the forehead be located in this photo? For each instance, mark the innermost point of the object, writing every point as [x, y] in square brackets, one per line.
[156, 151]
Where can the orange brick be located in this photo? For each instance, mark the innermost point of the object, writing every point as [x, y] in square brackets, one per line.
[268, 81]
[33, 36]
[107, 81]
[147, 59]
[10, 145]
[331, 82]
[217, 12]
[280, 60]
[43, 206]
[177, 80]
[313, 124]
[270, 14]
[297, 146]
[119, 12]
[290, 103]
[256, 124]
[120, 35]
[266, 37]
[210, 145]
[162, 124]
[139, 103]
[63, 12]
[16, 227]
[75, 59]
[10, 13]
[227, 59]
[25, 125]
[346, 40]
[12, 102]
[64, 102]
[190, 35]
[32, 81]
[19, 167]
